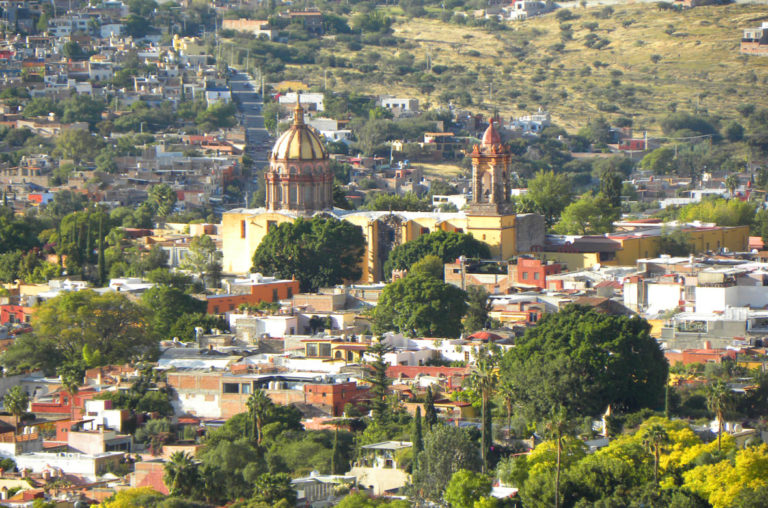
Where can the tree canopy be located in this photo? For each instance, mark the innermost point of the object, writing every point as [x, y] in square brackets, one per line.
[582, 361]
[420, 305]
[318, 252]
[448, 246]
[109, 323]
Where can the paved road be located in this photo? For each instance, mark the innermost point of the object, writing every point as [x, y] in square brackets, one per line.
[249, 103]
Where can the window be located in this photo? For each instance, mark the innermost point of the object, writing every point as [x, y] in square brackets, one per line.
[275, 297]
[215, 309]
[466, 356]
[245, 388]
[231, 388]
[424, 231]
[324, 349]
[312, 349]
[459, 230]
[536, 275]
[242, 229]
[290, 293]
[525, 275]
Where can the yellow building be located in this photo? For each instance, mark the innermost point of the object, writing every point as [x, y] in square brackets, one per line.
[642, 242]
[299, 185]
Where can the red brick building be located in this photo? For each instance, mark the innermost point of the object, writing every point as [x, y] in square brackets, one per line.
[334, 397]
[534, 272]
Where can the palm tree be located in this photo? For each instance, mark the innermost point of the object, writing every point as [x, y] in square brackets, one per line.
[557, 426]
[180, 474]
[483, 380]
[654, 436]
[718, 401]
[16, 402]
[259, 404]
[507, 393]
[71, 378]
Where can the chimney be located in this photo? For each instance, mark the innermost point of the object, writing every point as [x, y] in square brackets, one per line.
[707, 344]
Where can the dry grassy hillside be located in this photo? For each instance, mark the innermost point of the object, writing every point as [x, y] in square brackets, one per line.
[698, 63]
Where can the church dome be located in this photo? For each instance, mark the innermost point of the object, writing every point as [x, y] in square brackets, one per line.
[491, 136]
[300, 142]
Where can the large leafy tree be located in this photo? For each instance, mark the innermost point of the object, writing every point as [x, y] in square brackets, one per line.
[204, 259]
[447, 449]
[167, 306]
[582, 361]
[271, 488]
[420, 305]
[448, 246]
[110, 323]
[550, 193]
[466, 487]
[318, 252]
[592, 214]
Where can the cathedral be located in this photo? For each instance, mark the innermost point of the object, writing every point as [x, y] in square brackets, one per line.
[299, 183]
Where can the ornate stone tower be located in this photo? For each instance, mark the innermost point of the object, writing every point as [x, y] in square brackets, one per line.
[298, 178]
[490, 216]
[490, 175]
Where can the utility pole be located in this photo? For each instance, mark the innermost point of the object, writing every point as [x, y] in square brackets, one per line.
[325, 79]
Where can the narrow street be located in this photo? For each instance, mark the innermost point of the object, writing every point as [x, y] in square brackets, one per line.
[249, 103]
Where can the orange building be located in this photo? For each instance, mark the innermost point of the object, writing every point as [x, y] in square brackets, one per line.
[252, 291]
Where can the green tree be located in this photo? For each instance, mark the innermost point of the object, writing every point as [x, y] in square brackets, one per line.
[589, 215]
[181, 475]
[420, 305]
[478, 307]
[550, 193]
[732, 183]
[271, 488]
[417, 435]
[16, 402]
[71, 375]
[719, 400]
[448, 246]
[204, 259]
[378, 380]
[259, 406]
[166, 305]
[660, 161]
[584, 361]
[430, 413]
[109, 322]
[78, 145]
[483, 380]
[675, 243]
[466, 487]
[655, 436]
[447, 449]
[318, 252]
[430, 265]
[163, 198]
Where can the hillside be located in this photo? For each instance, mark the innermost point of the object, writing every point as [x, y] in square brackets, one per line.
[530, 65]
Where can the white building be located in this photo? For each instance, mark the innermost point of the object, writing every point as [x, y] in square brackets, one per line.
[307, 99]
[90, 467]
[532, 124]
[217, 95]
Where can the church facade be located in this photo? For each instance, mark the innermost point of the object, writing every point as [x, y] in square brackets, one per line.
[300, 184]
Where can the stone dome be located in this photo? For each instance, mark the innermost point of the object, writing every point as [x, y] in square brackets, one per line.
[300, 142]
[491, 136]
